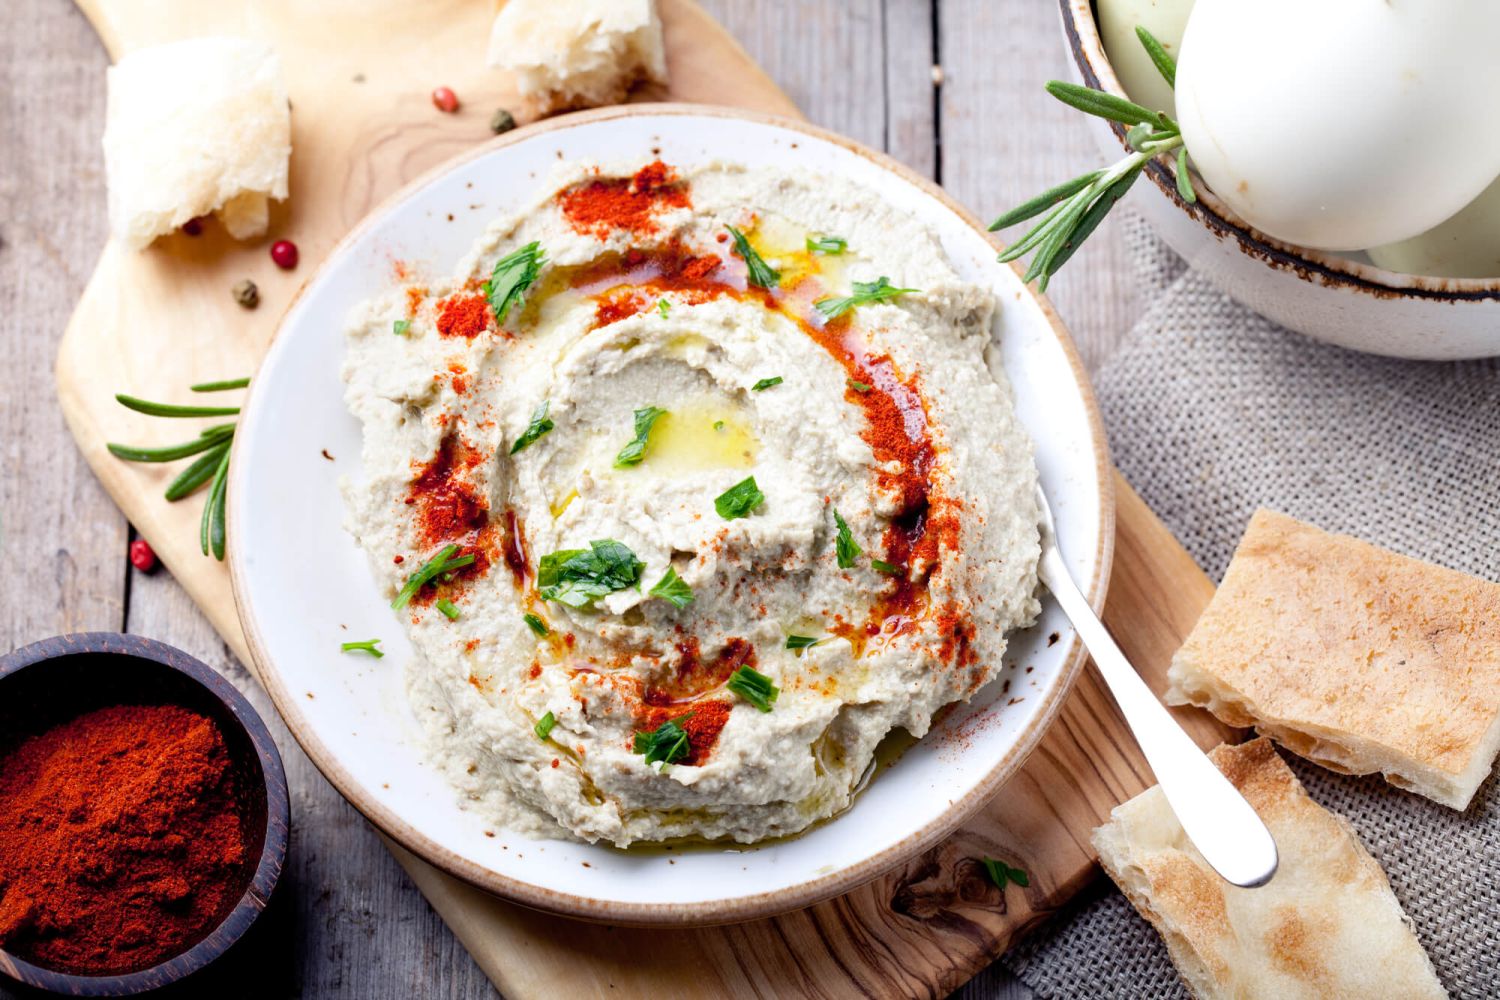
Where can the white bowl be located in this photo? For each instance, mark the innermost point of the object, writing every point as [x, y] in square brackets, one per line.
[303, 586]
[1322, 295]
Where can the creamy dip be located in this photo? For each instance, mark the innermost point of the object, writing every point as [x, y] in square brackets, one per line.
[717, 533]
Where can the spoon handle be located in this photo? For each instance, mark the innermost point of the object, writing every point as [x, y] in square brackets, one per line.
[1215, 816]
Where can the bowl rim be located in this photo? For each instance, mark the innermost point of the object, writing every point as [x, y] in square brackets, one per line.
[1081, 28]
[268, 869]
[710, 912]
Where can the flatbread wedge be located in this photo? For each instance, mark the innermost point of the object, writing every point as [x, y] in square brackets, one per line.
[1326, 927]
[1352, 656]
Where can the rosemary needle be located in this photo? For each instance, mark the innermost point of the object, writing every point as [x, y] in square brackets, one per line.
[211, 525]
[173, 410]
[232, 383]
[200, 472]
[173, 452]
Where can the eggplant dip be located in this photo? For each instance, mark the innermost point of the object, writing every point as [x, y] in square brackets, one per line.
[689, 487]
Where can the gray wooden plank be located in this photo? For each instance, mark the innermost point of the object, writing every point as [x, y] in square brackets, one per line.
[1003, 139]
[62, 539]
[910, 86]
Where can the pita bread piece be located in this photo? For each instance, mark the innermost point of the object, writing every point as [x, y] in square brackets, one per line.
[1326, 927]
[1351, 656]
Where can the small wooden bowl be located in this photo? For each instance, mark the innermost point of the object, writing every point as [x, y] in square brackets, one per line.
[56, 679]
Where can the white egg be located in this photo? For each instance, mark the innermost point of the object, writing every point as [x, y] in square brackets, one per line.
[1138, 75]
[1342, 124]
[1466, 246]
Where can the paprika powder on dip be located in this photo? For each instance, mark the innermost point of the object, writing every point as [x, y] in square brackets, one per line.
[143, 814]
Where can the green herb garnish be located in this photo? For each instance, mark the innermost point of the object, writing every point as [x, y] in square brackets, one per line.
[739, 500]
[663, 307]
[540, 424]
[633, 452]
[513, 275]
[449, 609]
[200, 472]
[443, 562]
[209, 439]
[718, 425]
[757, 271]
[366, 646]
[578, 577]
[845, 547]
[766, 383]
[173, 410]
[1000, 873]
[400, 327]
[535, 623]
[229, 383]
[865, 292]
[859, 386]
[881, 566]
[803, 641]
[543, 727]
[673, 588]
[211, 526]
[667, 743]
[830, 246]
[1075, 208]
[755, 687]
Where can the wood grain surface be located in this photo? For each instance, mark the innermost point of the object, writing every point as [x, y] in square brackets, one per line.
[353, 925]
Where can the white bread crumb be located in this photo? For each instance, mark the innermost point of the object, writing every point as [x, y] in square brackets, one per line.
[194, 127]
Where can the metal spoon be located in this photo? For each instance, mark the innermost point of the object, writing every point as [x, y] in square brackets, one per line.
[1215, 816]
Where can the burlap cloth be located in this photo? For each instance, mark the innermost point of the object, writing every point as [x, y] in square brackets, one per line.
[1212, 412]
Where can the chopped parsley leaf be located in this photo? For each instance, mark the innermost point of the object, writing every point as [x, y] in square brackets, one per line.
[578, 577]
[513, 275]
[865, 292]
[845, 547]
[830, 246]
[540, 424]
[766, 383]
[859, 386]
[535, 623]
[633, 452]
[673, 588]
[442, 563]
[666, 744]
[400, 327]
[757, 271]
[718, 425]
[663, 307]
[543, 727]
[739, 500]
[367, 646]
[449, 609]
[802, 641]
[999, 873]
[755, 687]
[881, 566]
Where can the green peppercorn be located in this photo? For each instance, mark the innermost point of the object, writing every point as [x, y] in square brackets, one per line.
[246, 294]
[502, 121]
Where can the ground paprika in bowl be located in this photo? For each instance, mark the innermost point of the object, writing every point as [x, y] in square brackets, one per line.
[143, 815]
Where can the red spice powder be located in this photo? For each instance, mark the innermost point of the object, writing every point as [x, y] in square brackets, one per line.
[617, 304]
[605, 204]
[694, 676]
[464, 316]
[448, 507]
[703, 725]
[123, 839]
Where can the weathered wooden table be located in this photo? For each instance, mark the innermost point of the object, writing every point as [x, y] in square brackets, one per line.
[952, 87]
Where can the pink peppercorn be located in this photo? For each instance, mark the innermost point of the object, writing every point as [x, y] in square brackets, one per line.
[445, 99]
[141, 556]
[284, 253]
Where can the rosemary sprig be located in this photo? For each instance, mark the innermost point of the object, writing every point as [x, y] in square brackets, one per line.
[211, 468]
[1074, 209]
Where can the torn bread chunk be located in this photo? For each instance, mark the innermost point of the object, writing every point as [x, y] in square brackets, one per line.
[578, 53]
[1326, 926]
[1351, 656]
[195, 127]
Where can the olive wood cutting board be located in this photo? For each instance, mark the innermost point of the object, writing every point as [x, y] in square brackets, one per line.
[359, 73]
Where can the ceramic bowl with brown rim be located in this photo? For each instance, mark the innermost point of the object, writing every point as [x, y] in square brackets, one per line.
[303, 586]
[1331, 297]
[51, 682]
